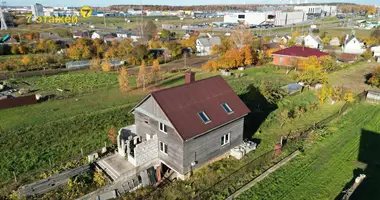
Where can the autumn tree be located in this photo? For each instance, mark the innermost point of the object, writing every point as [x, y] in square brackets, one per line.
[191, 42]
[220, 50]
[367, 55]
[155, 73]
[349, 97]
[140, 52]
[142, 76]
[246, 52]
[111, 52]
[328, 63]
[150, 30]
[95, 64]
[241, 36]
[23, 49]
[376, 34]
[326, 40]
[106, 66]
[210, 66]
[112, 135]
[374, 79]
[271, 93]
[324, 93]
[98, 47]
[232, 59]
[124, 48]
[14, 49]
[174, 47]
[25, 60]
[123, 79]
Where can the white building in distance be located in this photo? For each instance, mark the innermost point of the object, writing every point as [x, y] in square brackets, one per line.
[322, 10]
[275, 17]
[37, 10]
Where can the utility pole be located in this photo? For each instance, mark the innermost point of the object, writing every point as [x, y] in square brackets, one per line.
[185, 59]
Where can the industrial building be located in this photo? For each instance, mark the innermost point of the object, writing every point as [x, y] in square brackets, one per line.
[37, 10]
[278, 18]
[319, 10]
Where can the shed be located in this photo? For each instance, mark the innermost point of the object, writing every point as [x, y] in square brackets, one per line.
[373, 95]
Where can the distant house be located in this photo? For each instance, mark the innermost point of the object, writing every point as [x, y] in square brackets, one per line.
[314, 42]
[276, 39]
[272, 45]
[204, 45]
[109, 39]
[347, 57]
[335, 41]
[375, 51]
[284, 57]
[186, 127]
[123, 34]
[285, 39]
[353, 45]
[81, 34]
[50, 36]
[98, 35]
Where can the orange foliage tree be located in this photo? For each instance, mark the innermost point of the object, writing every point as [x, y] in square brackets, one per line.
[210, 66]
[123, 79]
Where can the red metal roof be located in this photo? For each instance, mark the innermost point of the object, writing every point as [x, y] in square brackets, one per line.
[182, 104]
[300, 51]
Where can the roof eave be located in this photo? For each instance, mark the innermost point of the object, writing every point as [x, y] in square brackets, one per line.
[204, 133]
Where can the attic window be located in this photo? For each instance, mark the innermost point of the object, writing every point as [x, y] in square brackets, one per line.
[204, 117]
[227, 108]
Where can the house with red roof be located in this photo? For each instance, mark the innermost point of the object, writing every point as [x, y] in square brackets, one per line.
[284, 57]
[184, 127]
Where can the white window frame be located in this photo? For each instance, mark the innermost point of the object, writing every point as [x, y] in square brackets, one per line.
[228, 106]
[281, 59]
[224, 139]
[163, 126]
[164, 148]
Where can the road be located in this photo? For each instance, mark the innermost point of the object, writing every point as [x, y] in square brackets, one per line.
[52, 182]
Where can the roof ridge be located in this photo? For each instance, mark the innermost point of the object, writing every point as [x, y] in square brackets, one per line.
[197, 81]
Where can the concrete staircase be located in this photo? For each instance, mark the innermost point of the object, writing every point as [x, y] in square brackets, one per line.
[113, 174]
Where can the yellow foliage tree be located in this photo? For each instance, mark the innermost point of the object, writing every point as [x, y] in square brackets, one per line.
[309, 63]
[142, 76]
[210, 66]
[349, 97]
[123, 79]
[25, 60]
[95, 64]
[270, 51]
[106, 66]
[155, 73]
[247, 55]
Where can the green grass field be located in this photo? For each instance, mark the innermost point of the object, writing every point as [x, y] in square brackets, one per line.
[360, 33]
[38, 131]
[323, 171]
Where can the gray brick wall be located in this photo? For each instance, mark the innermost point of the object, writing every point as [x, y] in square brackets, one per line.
[146, 151]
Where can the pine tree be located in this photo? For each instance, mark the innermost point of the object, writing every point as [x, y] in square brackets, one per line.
[123, 79]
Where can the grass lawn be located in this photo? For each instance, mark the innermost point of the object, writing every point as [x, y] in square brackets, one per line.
[353, 77]
[38, 131]
[333, 161]
[361, 33]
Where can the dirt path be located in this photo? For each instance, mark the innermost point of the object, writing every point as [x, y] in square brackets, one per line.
[194, 62]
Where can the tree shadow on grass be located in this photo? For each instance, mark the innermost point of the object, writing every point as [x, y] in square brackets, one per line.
[369, 153]
[260, 109]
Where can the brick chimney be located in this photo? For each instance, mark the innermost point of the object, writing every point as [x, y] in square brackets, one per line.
[189, 77]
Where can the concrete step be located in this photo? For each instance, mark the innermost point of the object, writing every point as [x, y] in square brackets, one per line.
[108, 169]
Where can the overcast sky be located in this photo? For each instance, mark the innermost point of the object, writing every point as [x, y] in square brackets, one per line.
[164, 2]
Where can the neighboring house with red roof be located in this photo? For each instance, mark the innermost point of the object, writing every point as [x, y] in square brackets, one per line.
[284, 57]
[185, 127]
